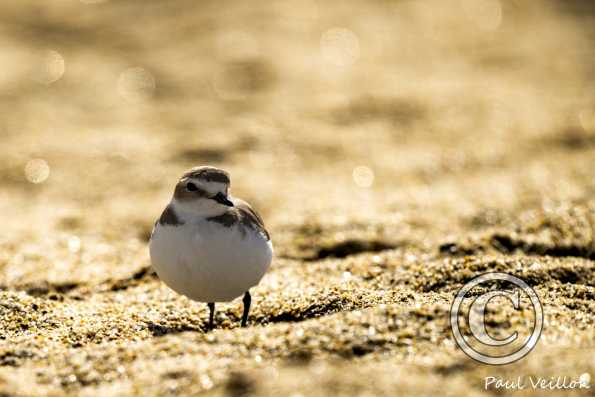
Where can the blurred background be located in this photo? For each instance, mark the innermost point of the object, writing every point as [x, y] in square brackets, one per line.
[385, 124]
[310, 106]
[359, 111]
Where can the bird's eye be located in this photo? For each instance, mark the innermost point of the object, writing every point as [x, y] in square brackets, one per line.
[191, 187]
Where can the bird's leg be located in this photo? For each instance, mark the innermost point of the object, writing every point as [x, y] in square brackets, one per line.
[211, 314]
[247, 300]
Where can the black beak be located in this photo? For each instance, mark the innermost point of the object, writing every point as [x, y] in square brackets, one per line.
[222, 199]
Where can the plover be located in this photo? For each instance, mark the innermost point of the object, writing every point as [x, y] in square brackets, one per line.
[208, 245]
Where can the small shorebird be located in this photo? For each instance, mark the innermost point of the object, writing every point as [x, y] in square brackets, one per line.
[208, 245]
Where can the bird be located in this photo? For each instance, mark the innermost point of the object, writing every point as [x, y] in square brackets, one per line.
[208, 245]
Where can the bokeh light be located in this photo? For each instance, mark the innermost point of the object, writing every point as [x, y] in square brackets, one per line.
[363, 176]
[339, 47]
[74, 244]
[485, 14]
[206, 381]
[50, 67]
[136, 85]
[587, 120]
[37, 171]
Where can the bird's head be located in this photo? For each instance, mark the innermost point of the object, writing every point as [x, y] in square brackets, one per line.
[203, 191]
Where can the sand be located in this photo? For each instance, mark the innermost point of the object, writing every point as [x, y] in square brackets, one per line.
[395, 150]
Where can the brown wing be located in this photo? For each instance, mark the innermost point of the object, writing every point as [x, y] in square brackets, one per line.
[169, 217]
[249, 217]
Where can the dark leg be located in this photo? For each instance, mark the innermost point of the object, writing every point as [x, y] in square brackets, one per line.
[247, 300]
[211, 314]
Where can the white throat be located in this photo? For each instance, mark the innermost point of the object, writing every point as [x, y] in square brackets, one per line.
[200, 208]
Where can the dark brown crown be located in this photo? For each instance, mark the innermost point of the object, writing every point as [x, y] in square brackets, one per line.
[208, 173]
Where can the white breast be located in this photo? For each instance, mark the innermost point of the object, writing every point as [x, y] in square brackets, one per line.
[209, 262]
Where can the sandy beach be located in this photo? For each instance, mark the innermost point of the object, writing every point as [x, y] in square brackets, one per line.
[395, 149]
